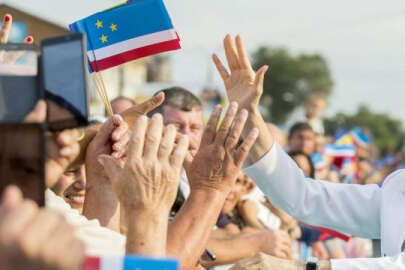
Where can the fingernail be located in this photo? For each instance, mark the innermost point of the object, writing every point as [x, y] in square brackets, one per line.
[7, 18]
[234, 105]
[143, 118]
[29, 39]
[157, 116]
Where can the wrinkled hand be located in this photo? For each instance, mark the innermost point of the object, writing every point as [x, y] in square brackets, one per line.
[242, 83]
[33, 238]
[62, 149]
[220, 157]
[148, 180]
[276, 243]
[263, 261]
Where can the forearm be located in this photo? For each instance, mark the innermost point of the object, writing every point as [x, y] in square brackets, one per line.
[147, 233]
[190, 230]
[229, 250]
[265, 140]
[101, 203]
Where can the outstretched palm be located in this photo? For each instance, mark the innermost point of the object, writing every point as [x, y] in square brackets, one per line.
[242, 84]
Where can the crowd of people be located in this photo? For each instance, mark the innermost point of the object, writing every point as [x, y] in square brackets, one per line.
[232, 193]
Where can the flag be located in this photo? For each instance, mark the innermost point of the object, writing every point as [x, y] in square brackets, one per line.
[359, 137]
[127, 32]
[318, 160]
[129, 263]
[340, 150]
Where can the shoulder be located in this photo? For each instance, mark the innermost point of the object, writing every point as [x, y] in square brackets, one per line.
[394, 177]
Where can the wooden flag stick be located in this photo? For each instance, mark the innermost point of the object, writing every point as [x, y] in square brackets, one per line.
[104, 89]
[101, 92]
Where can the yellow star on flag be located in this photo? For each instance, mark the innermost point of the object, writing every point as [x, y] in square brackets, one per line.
[104, 38]
[99, 24]
[113, 27]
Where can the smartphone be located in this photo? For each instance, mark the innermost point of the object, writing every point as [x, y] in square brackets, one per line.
[19, 84]
[22, 159]
[64, 80]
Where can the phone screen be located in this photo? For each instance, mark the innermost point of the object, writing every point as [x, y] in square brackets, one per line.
[19, 88]
[22, 161]
[64, 81]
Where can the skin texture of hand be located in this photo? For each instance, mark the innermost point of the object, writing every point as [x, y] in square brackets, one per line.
[129, 117]
[147, 183]
[245, 86]
[263, 261]
[212, 174]
[101, 202]
[33, 238]
[220, 157]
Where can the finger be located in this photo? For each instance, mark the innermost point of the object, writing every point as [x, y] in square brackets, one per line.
[121, 146]
[153, 137]
[223, 131]
[259, 81]
[243, 57]
[38, 114]
[104, 133]
[179, 153]
[220, 67]
[5, 29]
[14, 222]
[121, 128]
[11, 198]
[146, 106]
[167, 143]
[187, 161]
[112, 167]
[243, 150]
[135, 147]
[238, 125]
[231, 53]
[17, 54]
[33, 237]
[211, 129]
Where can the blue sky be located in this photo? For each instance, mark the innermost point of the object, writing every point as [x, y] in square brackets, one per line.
[363, 41]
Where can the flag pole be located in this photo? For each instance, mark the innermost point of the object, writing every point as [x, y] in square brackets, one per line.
[107, 102]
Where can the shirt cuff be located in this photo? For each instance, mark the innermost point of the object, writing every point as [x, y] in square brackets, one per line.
[266, 164]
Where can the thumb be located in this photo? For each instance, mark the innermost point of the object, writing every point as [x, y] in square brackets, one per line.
[12, 196]
[146, 106]
[111, 167]
[259, 81]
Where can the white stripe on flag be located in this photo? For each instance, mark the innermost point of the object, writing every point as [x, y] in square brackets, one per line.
[108, 263]
[131, 44]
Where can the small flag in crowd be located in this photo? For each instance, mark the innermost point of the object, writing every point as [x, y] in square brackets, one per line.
[129, 263]
[340, 150]
[127, 32]
[360, 138]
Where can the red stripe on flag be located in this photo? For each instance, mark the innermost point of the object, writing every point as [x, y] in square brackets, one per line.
[91, 263]
[333, 233]
[127, 56]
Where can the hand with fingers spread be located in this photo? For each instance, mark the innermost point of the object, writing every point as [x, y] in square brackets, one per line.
[242, 83]
[147, 183]
[221, 155]
[245, 86]
[101, 202]
[33, 238]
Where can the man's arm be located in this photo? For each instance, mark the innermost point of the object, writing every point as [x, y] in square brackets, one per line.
[212, 174]
[315, 202]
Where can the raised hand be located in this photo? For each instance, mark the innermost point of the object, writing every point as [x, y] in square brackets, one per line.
[242, 83]
[221, 155]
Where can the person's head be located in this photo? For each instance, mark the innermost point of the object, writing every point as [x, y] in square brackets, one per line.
[121, 104]
[71, 187]
[302, 138]
[304, 162]
[278, 134]
[314, 106]
[183, 110]
[243, 185]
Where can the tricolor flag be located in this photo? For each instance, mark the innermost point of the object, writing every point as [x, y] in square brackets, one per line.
[359, 137]
[129, 263]
[340, 150]
[127, 32]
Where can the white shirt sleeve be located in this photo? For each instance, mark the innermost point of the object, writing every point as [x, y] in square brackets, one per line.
[351, 209]
[383, 263]
[98, 240]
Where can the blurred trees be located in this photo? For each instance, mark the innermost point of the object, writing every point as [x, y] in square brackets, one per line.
[387, 132]
[290, 80]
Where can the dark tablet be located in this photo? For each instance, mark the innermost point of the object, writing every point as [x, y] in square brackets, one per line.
[65, 81]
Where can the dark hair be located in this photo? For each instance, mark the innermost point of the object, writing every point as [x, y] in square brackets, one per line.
[311, 164]
[179, 98]
[300, 126]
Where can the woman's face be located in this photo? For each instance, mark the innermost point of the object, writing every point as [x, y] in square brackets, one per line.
[72, 187]
[303, 164]
[241, 187]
